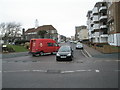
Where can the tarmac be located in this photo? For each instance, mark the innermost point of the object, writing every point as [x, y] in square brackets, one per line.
[90, 51]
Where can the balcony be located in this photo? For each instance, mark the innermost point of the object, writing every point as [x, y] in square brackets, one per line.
[102, 9]
[103, 27]
[93, 36]
[91, 23]
[96, 27]
[104, 35]
[95, 18]
[103, 18]
[95, 10]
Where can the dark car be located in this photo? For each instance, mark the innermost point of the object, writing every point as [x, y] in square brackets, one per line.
[64, 53]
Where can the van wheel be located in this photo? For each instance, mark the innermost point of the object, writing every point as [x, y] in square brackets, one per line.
[35, 55]
[41, 53]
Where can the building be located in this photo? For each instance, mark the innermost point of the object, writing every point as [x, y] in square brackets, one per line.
[114, 23]
[72, 38]
[103, 24]
[83, 33]
[97, 23]
[77, 29]
[33, 32]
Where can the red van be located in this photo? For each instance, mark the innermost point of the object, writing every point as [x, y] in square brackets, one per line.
[41, 46]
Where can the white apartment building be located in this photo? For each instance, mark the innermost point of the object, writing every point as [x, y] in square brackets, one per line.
[97, 23]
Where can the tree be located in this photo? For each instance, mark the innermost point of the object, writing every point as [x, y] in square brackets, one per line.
[2, 29]
[10, 31]
[42, 33]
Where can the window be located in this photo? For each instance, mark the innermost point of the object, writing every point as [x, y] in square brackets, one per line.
[54, 44]
[50, 44]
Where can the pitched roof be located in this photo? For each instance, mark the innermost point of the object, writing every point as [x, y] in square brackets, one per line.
[30, 30]
[44, 27]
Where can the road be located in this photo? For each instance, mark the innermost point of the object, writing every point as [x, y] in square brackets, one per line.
[45, 72]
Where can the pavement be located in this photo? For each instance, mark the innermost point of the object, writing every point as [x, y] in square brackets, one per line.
[96, 54]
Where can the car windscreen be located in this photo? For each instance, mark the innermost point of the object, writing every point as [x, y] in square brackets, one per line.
[64, 49]
[79, 43]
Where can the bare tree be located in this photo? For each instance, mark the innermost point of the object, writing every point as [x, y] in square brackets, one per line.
[10, 31]
[2, 29]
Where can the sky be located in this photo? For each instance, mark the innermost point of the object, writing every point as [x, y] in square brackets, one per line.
[64, 15]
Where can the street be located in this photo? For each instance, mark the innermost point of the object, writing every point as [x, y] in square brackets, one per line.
[45, 72]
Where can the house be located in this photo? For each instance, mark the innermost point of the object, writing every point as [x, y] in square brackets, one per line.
[33, 32]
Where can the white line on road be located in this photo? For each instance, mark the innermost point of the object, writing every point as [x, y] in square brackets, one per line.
[88, 53]
[82, 70]
[97, 70]
[42, 71]
[84, 54]
[67, 71]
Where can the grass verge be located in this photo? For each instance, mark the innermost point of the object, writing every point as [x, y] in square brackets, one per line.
[18, 48]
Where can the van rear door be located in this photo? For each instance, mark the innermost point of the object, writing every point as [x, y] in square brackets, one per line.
[33, 45]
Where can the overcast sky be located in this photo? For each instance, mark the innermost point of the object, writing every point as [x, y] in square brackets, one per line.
[64, 15]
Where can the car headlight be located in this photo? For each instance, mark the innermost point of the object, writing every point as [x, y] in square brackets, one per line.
[58, 54]
[69, 54]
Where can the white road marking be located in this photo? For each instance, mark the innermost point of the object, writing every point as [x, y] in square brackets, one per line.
[88, 53]
[44, 71]
[39, 70]
[67, 71]
[82, 70]
[97, 70]
[84, 54]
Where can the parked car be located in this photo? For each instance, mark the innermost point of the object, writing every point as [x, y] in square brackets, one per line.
[41, 46]
[75, 42]
[64, 53]
[79, 45]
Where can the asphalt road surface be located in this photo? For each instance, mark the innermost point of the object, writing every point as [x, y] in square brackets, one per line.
[45, 72]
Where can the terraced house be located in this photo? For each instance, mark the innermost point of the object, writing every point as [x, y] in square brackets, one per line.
[103, 24]
[51, 32]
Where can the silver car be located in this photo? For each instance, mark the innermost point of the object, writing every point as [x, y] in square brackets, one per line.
[79, 46]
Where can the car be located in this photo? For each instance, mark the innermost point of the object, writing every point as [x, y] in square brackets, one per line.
[64, 53]
[79, 45]
[75, 42]
[71, 41]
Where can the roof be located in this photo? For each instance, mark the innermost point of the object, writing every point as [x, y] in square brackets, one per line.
[44, 27]
[30, 30]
